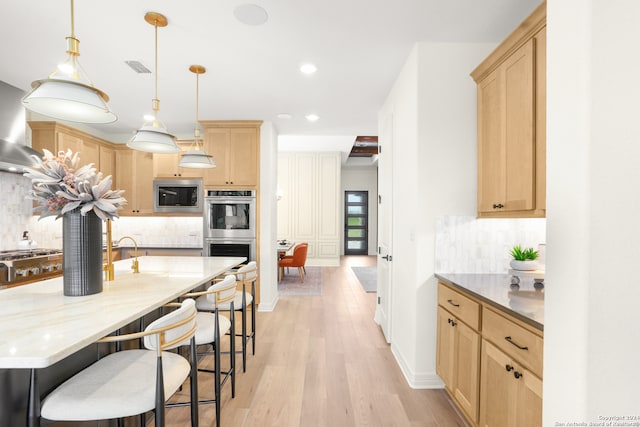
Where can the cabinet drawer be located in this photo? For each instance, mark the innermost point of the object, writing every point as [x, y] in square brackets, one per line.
[460, 306]
[522, 345]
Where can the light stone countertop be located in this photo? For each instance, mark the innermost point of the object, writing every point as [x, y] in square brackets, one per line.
[40, 326]
[523, 302]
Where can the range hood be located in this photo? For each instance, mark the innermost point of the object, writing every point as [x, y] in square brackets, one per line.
[14, 154]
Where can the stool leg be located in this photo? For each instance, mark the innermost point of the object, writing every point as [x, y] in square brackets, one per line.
[253, 318]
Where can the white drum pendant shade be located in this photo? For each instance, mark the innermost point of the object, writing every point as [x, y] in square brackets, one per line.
[67, 100]
[154, 139]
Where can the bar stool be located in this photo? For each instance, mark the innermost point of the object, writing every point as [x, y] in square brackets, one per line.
[245, 274]
[132, 382]
[211, 328]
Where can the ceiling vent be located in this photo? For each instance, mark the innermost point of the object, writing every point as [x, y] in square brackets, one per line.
[138, 67]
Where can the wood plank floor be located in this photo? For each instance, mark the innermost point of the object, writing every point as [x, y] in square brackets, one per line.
[322, 361]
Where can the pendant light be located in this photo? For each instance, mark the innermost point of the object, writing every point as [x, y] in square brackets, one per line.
[153, 136]
[195, 157]
[67, 93]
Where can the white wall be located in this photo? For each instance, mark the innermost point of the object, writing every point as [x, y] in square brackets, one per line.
[434, 121]
[593, 152]
[268, 184]
[363, 179]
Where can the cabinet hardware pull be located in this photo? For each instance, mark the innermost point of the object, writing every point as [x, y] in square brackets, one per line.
[509, 368]
[449, 321]
[510, 341]
[517, 374]
[498, 206]
[453, 303]
[454, 323]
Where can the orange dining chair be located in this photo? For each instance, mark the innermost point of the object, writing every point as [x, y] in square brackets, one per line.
[298, 259]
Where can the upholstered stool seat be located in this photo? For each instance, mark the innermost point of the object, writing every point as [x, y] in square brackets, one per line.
[132, 382]
[115, 386]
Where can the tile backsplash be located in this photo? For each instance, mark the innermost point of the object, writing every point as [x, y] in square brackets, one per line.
[465, 244]
[17, 216]
[15, 210]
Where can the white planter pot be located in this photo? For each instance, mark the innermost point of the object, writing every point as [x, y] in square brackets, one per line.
[524, 265]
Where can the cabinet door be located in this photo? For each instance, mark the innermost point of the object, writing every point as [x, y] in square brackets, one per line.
[467, 365]
[445, 348]
[125, 179]
[491, 171]
[519, 132]
[497, 388]
[529, 400]
[70, 142]
[216, 145]
[242, 157]
[166, 165]
[90, 153]
[108, 163]
[143, 178]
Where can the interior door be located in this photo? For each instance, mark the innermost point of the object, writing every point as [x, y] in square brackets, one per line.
[385, 234]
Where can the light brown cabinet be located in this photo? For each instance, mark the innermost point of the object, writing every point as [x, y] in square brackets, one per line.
[458, 349]
[166, 165]
[511, 123]
[490, 362]
[511, 384]
[134, 174]
[56, 137]
[235, 147]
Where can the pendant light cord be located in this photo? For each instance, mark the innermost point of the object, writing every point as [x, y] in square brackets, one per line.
[156, 40]
[73, 34]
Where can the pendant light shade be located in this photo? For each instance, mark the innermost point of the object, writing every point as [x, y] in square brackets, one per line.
[153, 136]
[195, 157]
[67, 93]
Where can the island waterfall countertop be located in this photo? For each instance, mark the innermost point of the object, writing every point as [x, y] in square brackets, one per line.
[523, 302]
[41, 326]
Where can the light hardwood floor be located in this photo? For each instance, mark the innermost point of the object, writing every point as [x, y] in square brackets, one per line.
[322, 361]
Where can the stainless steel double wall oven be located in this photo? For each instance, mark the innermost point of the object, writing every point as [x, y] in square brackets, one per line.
[230, 223]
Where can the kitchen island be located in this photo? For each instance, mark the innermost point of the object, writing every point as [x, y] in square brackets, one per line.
[41, 326]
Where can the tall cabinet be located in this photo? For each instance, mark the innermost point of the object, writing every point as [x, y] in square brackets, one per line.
[309, 203]
[235, 147]
[511, 99]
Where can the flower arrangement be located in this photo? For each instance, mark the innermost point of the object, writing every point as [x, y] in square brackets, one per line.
[59, 186]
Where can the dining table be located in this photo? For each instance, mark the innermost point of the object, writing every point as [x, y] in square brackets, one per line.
[42, 326]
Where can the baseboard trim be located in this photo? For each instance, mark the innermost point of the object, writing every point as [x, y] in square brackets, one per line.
[268, 307]
[417, 381]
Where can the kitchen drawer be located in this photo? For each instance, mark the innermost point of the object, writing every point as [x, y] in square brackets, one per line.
[522, 345]
[463, 308]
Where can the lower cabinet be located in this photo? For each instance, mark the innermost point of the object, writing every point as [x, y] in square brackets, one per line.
[511, 395]
[458, 361]
[490, 362]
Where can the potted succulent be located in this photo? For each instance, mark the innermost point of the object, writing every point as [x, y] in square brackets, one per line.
[524, 259]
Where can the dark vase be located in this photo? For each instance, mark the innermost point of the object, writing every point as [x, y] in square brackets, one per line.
[81, 253]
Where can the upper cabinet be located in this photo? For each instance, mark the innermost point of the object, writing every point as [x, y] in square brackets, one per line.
[56, 137]
[134, 172]
[511, 123]
[235, 147]
[166, 165]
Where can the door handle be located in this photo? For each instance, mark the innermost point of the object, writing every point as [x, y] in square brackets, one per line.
[387, 258]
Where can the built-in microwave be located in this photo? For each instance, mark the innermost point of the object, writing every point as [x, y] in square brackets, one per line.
[178, 196]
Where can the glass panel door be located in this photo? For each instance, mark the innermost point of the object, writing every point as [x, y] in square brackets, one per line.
[356, 221]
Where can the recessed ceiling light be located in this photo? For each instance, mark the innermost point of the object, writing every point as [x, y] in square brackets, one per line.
[312, 117]
[250, 14]
[308, 68]
[284, 116]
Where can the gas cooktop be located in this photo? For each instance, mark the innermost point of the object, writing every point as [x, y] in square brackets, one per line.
[27, 253]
